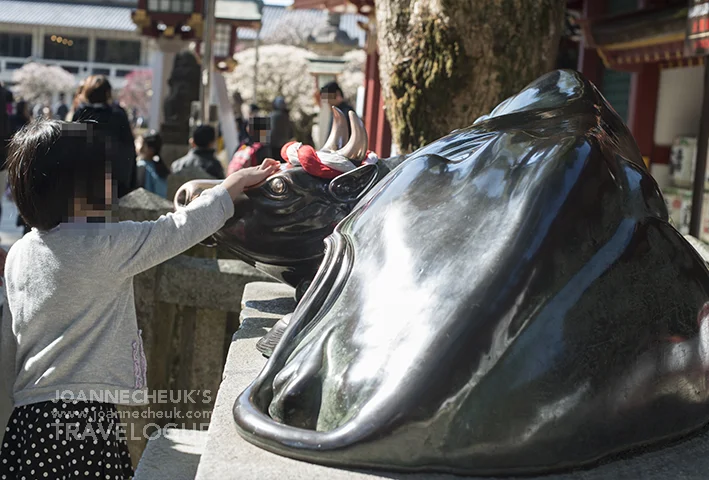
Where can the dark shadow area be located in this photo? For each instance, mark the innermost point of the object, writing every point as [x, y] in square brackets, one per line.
[255, 327]
[275, 306]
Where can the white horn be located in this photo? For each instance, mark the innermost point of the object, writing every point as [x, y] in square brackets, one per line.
[191, 190]
[356, 148]
[338, 133]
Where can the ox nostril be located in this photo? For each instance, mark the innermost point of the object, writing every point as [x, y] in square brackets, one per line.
[181, 198]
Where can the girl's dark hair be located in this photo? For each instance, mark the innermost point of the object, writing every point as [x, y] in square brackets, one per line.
[153, 140]
[50, 163]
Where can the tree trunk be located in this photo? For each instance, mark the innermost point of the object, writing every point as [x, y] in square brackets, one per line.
[443, 63]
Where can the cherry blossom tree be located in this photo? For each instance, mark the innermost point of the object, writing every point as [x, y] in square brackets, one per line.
[353, 75]
[36, 82]
[137, 92]
[283, 70]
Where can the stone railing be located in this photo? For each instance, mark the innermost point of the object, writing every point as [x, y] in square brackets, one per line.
[188, 310]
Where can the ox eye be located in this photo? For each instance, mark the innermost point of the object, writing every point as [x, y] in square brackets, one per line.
[278, 186]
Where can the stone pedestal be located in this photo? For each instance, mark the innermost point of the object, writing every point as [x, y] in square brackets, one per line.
[161, 64]
[141, 205]
[172, 151]
[227, 455]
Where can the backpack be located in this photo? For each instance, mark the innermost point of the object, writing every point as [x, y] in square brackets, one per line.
[244, 157]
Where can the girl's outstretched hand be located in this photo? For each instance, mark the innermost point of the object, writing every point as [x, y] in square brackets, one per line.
[255, 175]
[248, 177]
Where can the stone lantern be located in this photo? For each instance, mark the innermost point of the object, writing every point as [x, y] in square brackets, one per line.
[173, 24]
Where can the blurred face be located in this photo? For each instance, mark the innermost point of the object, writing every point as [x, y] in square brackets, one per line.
[264, 136]
[82, 209]
[143, 149]
[332, 99]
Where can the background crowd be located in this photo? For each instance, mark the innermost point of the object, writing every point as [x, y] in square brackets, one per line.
[137, 159]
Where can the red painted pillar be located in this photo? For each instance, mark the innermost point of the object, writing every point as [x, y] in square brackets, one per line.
[372, 96]
[232, 42]
[383, 138]
[590, 64]
[642, 106]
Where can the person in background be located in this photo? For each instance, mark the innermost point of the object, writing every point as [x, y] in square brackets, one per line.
[60, 109]
[256, 149]
[242, 124]
[9, 102]
[69, 339]
[96, 103]
[202, 153]
[281, 127]
[37, 110]
[76, 101]
[254, 111]
[5, 131]
[152, 171]
[21, 117]
[4, 139]
[332, 94]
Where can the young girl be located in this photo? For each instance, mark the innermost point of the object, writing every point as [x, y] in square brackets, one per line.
[152, 171]
[69, 341]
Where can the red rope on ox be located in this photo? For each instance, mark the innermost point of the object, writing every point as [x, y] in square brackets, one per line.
[284, 150]
[308, 159]
[310, 162]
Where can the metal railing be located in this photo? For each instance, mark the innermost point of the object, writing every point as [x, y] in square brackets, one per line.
[80, 69]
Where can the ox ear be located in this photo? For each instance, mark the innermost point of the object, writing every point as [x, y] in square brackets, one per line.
[352, 185]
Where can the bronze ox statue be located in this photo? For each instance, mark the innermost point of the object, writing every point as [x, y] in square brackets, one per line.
[280, 226]
[511, 299]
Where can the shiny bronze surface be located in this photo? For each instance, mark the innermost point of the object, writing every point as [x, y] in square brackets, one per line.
[510, 299]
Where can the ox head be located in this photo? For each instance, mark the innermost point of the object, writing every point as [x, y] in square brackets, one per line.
[280, 225]
[510, 299]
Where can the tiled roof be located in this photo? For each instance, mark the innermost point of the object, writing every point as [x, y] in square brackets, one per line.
[66, 15]
[272, 18]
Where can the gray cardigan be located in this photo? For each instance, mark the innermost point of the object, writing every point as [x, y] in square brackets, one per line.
[72, 331]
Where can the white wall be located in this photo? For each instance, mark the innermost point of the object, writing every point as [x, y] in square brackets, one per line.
[679, 103]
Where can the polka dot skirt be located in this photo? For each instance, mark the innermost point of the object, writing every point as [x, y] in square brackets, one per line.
[58, 440]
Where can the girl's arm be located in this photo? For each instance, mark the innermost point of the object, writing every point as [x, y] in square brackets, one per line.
[138, 246]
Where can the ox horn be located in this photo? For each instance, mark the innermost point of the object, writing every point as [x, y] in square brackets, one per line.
[191, 190]
[338, 134]
[356, 147]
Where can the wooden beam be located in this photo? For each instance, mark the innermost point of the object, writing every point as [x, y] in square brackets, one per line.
[642, 106]
[372, 95]
[590, 64]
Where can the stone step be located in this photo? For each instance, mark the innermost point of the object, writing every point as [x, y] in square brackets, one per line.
[173, 455]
